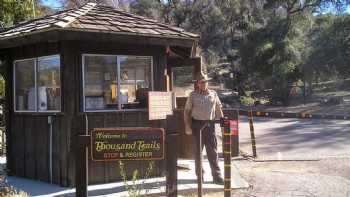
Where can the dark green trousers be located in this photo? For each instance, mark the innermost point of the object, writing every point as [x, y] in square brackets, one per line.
[209, 141]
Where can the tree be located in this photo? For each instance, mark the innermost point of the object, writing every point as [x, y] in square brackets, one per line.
[278, 50]
[15, 11]
[265, 43]
[147, 8]
[68, 4]
[331, 46]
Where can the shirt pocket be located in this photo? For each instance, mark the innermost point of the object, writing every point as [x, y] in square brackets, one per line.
[211, 100]
[197, 101]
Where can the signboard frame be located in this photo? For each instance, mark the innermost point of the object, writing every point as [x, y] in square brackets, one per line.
[126, 130]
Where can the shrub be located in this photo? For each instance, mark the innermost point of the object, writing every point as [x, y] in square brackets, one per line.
[8, 191]
[134, 190]
[246, 100]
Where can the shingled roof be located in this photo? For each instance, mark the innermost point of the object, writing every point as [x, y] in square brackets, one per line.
[97, 18]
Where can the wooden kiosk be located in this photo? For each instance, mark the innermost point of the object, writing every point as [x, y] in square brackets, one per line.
[93, 60]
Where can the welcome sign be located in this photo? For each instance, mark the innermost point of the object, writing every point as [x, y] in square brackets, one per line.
[140, 143]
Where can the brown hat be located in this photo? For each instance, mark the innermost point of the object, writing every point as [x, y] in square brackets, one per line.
[201, 77]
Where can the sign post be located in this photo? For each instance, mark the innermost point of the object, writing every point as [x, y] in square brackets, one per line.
[82, 163]
[171, 164]
[112, 144]
[129, 143]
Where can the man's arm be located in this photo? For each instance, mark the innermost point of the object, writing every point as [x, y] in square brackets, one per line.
[188, 116]
[218, 108]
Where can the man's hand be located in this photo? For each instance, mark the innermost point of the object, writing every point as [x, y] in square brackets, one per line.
[188, 130]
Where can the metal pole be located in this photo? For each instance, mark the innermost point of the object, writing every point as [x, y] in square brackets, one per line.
[86, 125]
[252, 135]
[49, 121]
[225, 123]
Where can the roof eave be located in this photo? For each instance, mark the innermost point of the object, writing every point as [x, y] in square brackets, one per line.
[136, 35]
[53, 34]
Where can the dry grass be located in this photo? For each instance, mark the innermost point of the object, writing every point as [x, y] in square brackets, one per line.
[7, 190]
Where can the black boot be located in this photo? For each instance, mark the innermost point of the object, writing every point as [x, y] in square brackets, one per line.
[218, 180]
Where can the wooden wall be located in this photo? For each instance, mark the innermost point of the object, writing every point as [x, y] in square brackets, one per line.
[100, 172]
[28, 133]
[30, 144]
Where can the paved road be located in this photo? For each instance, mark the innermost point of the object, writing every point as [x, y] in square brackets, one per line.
[297, 138]
[324, 143]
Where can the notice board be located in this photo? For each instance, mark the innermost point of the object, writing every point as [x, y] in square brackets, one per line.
[137, 143]
[160, 104]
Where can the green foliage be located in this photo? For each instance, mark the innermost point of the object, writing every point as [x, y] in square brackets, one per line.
[265, 44]
[331, 47]
[145, 8]
[135, 189]
[15, 11]
[247, 100]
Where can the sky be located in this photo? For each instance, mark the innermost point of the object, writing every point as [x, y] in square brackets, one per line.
[52, 3]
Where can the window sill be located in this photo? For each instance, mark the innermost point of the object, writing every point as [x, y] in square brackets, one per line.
[39, 113]
[114, 111]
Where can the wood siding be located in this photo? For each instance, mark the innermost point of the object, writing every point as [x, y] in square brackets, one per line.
[28, 133]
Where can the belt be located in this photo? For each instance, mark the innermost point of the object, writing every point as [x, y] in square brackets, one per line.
[205, 121]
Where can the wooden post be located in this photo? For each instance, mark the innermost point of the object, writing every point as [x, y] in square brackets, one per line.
[82, 162]
[225, 123]
[81, 169]
[232, 115]
[171, 164]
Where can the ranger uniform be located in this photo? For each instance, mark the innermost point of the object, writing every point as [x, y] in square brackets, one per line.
[202, 107]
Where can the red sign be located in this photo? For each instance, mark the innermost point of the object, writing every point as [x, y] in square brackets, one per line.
[139, 143]
[234, 127]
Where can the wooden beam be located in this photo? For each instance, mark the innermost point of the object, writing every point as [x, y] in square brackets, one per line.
[186, 62]
[98, 36]
[49, 36]
[182, 52]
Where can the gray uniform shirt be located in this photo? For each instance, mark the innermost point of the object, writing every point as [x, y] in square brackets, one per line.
[204, 106]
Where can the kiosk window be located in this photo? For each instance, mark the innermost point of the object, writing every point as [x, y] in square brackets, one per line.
[37, 84]
[49, 84]
[113, 82]
[25, 85]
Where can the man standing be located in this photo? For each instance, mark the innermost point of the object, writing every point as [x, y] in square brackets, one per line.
[202, 108]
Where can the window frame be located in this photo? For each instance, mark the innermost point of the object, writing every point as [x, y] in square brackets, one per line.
[36, 60]
[118, 82]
